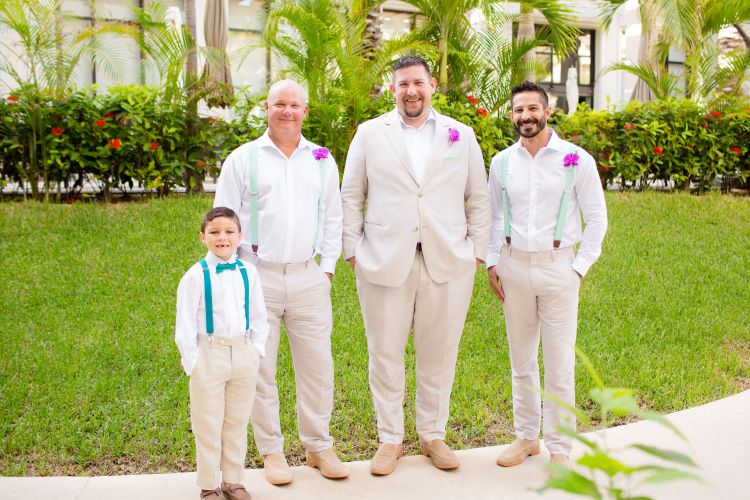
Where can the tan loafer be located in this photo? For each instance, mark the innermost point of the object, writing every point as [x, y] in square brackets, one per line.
[276, 468]
[211, 494]
[441, 455]
[517, 452]
[234, 491]
[384, 461]
[329, 464]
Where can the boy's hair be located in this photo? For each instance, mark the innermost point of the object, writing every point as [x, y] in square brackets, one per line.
[407, 61]
[217, 212]
[528, 86]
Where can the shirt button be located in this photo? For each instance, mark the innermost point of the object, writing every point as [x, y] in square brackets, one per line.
[416, 229]
[419, 195]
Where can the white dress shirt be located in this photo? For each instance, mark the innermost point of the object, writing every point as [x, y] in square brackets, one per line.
[535, 187]
[288, 193]
[419, 143]
[228, 304]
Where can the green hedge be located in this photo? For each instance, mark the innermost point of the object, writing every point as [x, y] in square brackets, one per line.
[131, 134]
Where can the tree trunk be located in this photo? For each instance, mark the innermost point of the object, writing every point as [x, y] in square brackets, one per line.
[373, 39]
[443, 50]
[193, 181]
[526, 32]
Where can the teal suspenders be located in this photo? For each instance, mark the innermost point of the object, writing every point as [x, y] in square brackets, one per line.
[254, 196]
[208, 296]
[253, 187]
[569, 179]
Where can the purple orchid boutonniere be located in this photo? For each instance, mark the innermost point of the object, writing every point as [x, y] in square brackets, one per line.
[321, 153]
[571, 160]
[453, 135]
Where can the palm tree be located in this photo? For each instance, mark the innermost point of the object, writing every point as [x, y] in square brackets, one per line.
[48, 55]
[692, 26]
[324, 49]
[447, 24]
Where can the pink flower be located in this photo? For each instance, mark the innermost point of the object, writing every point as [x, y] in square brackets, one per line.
[571, 160]
[659, 151]
[453, 135]
[628, 126]
[57, 131]
[321, 153]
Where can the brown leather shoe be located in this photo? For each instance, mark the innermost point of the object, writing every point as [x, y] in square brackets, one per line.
[384, 461]
[211, 494]
[442, 456]
[234, 491]
[277, 470]
[518, 451]
[329, 464]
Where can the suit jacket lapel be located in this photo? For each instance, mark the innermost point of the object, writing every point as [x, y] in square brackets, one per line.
[439, 145]
[396, 138]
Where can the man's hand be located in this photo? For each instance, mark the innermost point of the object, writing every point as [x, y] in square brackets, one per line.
[352, 261]
[330, 276]
[495, 285]
[580, 278]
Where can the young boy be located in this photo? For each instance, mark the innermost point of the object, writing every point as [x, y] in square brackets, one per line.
[221, 332]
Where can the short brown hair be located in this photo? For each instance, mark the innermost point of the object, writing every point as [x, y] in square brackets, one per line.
[407, 61]
[217, 212]
[528, 86]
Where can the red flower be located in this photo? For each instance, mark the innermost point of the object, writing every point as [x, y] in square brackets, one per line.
[715, 114]
[115, 143]
[472, 99]
[659, 151]
[628, 126]
[154, 146]
[603, 167]
[576, 137]
[100, 123]
[201, 163]
[109, 115]
[606, 155]
[13, 99]
[57, 131]
[482, 112]
[735, 150]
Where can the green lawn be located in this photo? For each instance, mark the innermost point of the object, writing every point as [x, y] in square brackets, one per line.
[90, 379]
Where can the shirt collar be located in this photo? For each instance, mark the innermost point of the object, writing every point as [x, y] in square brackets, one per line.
[554, 142]
[212, 259]
[264, 141]
[430, 118]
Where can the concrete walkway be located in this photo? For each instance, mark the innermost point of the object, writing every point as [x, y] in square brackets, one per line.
[718, 439]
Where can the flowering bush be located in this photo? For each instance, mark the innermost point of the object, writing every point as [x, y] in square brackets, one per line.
[676, 141]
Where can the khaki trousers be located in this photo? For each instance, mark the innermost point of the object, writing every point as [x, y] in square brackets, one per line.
[299, 295]
[541, 299]
[436, 312]
[222, 389]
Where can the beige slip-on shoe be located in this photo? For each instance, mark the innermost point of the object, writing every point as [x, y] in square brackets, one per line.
[329, 464]
[211, 494]
[276, 468]
[442, 456]
[518, 451]
[384, 461]
[235, 491]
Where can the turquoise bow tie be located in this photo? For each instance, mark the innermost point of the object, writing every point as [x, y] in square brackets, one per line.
[223, 267]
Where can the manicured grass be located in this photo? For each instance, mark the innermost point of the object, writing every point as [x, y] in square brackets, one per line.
[90, 380]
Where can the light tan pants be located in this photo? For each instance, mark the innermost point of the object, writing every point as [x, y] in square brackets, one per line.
[300, 295]
[541, 299]
[436, 312]
[222, 390]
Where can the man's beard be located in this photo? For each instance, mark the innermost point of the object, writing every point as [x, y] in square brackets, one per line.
[413, 114]
[540, 125]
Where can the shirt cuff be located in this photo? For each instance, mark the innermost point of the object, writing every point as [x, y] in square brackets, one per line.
[328, 264]
[581, 266]
[492, 259]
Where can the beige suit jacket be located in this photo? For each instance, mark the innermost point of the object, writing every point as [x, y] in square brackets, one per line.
[386, 211]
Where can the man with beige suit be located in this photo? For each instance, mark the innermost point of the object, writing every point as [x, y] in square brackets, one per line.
[414, 251]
